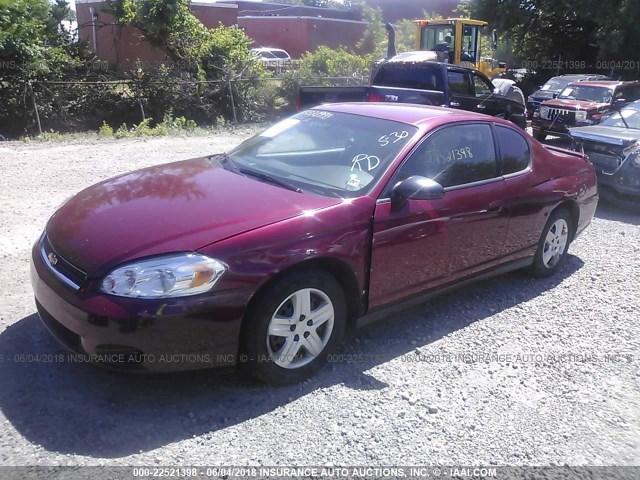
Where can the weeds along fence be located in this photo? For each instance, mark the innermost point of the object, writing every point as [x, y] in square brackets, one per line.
[68, 106]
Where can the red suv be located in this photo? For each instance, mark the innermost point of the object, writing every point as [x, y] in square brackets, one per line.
[581, 104]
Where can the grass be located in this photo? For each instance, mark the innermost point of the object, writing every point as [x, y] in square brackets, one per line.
[170, 127]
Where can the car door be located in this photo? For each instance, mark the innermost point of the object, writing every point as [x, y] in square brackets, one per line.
[486, 101]
[422, 244]
[460, 90]
[523, 200]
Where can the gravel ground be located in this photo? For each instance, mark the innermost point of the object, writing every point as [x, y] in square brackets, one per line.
[511, 371]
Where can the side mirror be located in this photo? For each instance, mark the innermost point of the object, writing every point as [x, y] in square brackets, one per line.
[494, 39]
[417, 188]
[619, 103]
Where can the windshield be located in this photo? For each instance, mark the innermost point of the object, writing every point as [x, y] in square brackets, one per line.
[332, 154]
[437, 37]
[631, 116]
[587, 93]
[556, 84]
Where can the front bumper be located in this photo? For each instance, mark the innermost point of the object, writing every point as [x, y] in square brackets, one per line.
[550, 128]
[614, 190]
[139, 334]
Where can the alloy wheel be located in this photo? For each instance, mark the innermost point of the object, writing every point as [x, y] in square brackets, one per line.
[300, 328]
[556, 243]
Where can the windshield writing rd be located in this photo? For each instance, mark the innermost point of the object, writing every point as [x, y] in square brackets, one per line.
[372, 162]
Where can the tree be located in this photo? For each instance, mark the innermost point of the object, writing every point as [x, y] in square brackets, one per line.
[544, 31]
[60, 12]
[171, 26]
[35, 51]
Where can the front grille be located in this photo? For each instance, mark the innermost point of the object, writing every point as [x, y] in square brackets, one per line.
[549, 113]
[63, 269]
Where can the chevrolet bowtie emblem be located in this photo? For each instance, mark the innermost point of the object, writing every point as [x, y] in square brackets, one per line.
[53, 259]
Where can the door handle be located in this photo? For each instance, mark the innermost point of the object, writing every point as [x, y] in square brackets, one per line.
[454, 104]
[495, 207]
[481, 107]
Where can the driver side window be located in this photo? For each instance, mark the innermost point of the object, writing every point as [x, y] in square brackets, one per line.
[454, 156]
[482, 88]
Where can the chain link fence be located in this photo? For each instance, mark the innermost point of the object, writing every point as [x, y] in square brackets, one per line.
[86, 105]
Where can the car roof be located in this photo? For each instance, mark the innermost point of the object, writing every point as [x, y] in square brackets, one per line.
[424, 58]
[599, 83]
[415, 57]
[412, 114]
[582, 75]
[268, 49]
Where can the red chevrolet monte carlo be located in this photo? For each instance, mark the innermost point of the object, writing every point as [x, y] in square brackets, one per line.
[264, 257]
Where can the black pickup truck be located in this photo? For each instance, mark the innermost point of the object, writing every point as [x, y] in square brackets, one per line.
[414, 77]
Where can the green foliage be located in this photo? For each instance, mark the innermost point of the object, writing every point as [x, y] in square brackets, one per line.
[105, 130]
[405, 35]
[580, 30]
[215, 55]
[170, 125]
[33, 50]
[338, 62]
[199, 52]
[374, 41]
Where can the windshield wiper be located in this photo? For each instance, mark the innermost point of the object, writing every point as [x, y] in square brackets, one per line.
[224, 160]
[265, 177]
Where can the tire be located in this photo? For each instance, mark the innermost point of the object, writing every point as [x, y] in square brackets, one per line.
[519, 120]
[553, 244]
[292, 328]
[540, 136]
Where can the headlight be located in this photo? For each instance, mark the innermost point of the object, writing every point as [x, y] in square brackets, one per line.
[581, 116]
[177, 275]
[544, 112]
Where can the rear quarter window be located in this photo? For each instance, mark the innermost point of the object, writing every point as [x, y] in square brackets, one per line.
[459, 82]
[514, 150]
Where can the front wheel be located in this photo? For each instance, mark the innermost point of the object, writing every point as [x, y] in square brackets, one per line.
[554, 244]
[292, 328]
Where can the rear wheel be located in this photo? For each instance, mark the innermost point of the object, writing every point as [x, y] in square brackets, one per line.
[292, 328]
[554, 244]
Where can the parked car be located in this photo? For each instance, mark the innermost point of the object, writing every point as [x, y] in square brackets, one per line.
[613, 147]
[581, 104]
[552, 88]
[273, 58]
[266, 256]
[413, 77]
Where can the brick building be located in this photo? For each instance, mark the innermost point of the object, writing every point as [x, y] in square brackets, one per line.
[123, 46]
[294, 28]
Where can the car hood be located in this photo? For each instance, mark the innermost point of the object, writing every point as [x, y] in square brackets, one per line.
[180, 206]
[610, 135]
[575, 104]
